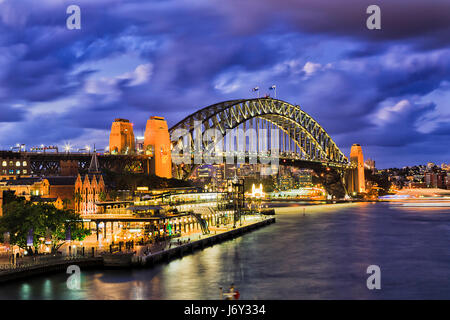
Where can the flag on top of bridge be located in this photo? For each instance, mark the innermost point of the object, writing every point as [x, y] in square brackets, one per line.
[255, 89]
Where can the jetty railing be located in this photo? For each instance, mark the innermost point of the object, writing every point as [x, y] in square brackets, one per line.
[40, 261]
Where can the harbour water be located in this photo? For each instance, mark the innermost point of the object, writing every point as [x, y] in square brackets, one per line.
[320, 254]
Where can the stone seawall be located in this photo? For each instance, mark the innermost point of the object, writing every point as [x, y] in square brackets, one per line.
[54, 267]
[180, 251]
[124, 261]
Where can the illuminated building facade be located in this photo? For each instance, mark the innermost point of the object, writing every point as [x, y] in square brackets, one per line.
[357, 181]
[55, 190]
[140, 145]
[88, 190]
[121, 138]
[11, 168]
[87, 193]
[304, 178]
[157, 143]
[436, 180]
[204, 171]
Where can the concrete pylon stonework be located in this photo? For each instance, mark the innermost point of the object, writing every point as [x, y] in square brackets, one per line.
[1, 203]
[357, 180]
[157, 144]
[121, 138]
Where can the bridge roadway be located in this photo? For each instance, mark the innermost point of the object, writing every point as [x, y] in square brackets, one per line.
[50, 163]
[284, 158]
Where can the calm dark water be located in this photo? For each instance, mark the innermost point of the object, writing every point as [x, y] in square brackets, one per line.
[322, 255]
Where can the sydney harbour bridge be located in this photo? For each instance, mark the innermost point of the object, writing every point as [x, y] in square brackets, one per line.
[301, 141]
[256, 125]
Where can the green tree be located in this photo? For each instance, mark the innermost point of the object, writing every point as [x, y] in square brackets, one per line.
[113, 194]
[102, 196]
[21, 216]
[66, 203]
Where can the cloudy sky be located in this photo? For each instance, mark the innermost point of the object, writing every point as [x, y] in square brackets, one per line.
[388, 89]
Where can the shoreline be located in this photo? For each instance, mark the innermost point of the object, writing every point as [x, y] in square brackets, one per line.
[126, 261]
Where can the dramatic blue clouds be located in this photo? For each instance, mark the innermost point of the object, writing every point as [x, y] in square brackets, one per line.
[386, 89]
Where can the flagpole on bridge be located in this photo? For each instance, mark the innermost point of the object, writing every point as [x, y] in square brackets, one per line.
[256, 89]
[274, 87]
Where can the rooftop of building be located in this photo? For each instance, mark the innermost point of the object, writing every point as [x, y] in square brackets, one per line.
[54, 181]
[22, 181]
[61, 181]
[121, 120]
[43, 200]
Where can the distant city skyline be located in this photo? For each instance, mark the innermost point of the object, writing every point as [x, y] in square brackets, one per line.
[387, 89]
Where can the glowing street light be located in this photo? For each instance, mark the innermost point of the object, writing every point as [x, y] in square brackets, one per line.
[67, 147]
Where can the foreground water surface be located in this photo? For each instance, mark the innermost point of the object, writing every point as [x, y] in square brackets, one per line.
[322, 254]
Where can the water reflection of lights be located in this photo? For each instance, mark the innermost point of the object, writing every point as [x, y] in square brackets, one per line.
[25, 291]
[264, 266]
[47, 289]
[138, 291]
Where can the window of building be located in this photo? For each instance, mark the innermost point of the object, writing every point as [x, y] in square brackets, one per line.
[11, 163]
[11, 171]
[24, 163]
[18, 164]
[4, 163]
[17, 171]
[24, 171]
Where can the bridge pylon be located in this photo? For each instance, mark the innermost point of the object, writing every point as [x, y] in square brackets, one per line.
[355, 179]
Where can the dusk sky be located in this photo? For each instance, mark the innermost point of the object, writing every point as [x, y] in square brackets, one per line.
[387, 89]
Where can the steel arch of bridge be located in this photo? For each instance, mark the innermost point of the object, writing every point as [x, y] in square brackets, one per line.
[313, 141]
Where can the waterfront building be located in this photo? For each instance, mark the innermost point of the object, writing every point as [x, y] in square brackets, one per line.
[159, 213]
[315, 193]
